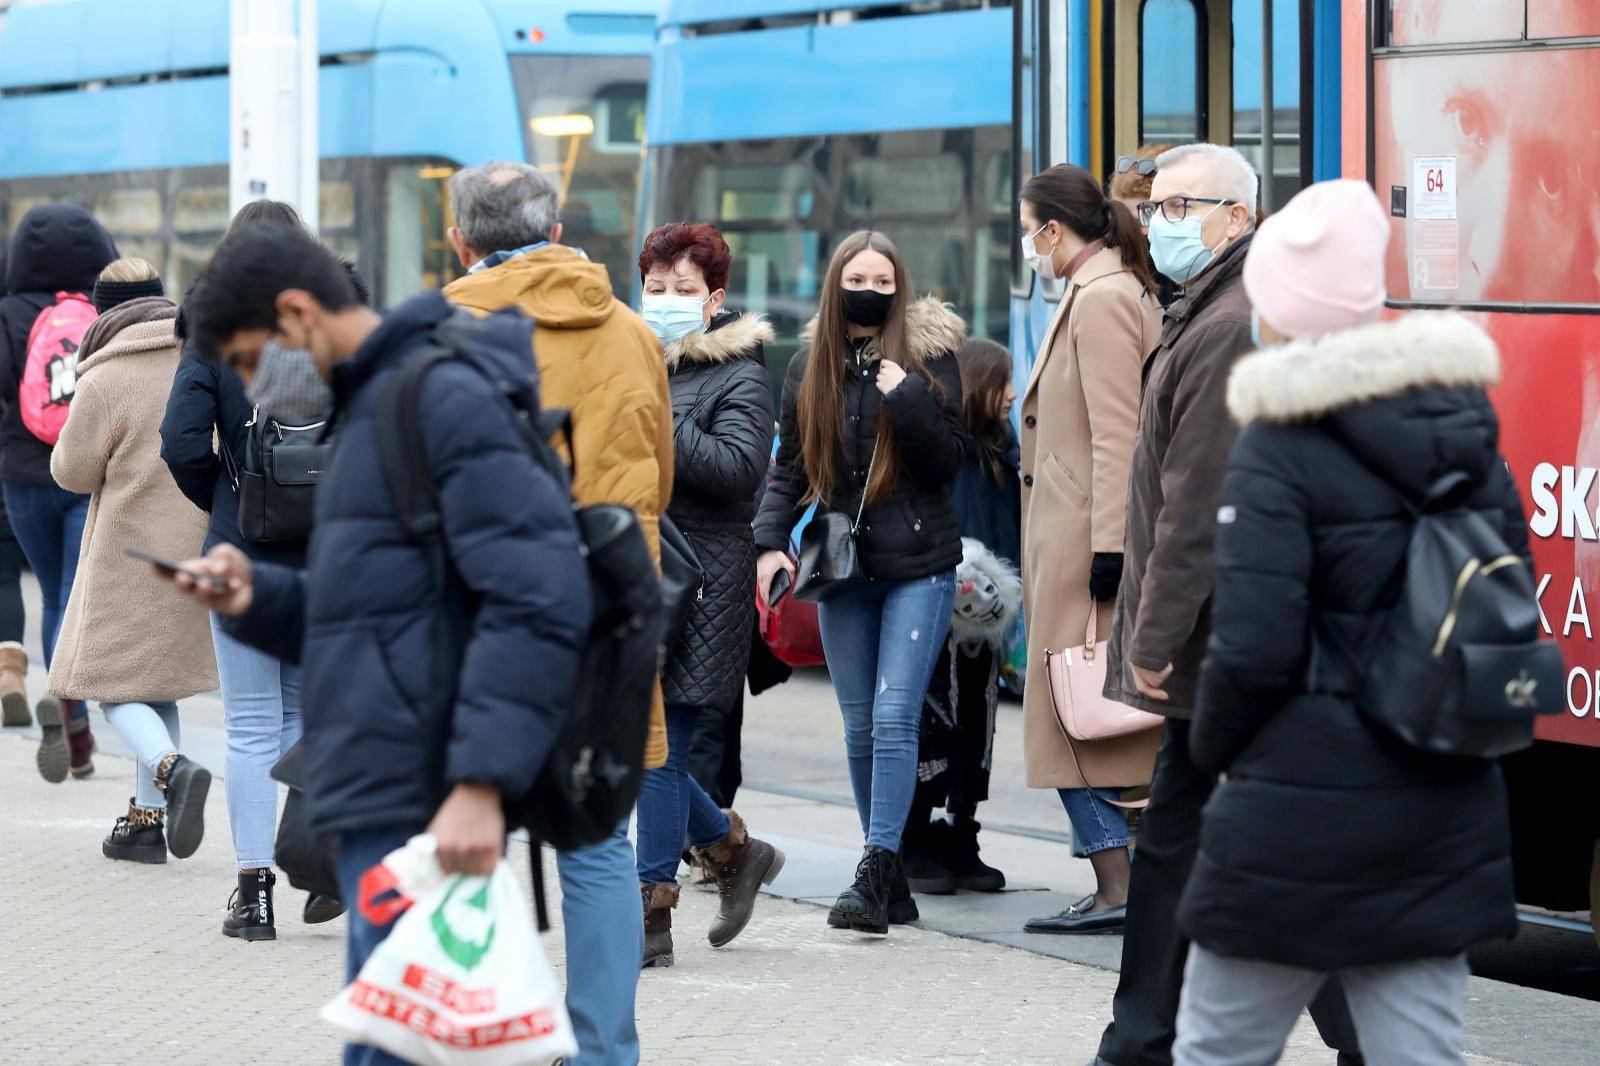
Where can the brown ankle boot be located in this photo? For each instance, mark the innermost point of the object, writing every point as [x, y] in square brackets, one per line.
[741, 864]
[659, 899]
[14, 685]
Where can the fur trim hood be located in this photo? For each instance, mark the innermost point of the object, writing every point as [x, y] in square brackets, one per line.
[1305, 380]
[988, 597]
[932, 329]
[731, 340]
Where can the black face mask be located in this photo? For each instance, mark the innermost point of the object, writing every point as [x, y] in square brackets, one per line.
[867, 307]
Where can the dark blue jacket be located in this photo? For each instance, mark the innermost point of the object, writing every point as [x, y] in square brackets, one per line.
[360, 617]
[208, 398]
[990, 510]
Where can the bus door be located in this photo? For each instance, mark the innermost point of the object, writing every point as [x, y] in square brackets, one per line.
[1239, 72]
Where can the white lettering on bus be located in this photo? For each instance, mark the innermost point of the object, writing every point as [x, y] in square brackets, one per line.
[1577, 611]
[1580, 709]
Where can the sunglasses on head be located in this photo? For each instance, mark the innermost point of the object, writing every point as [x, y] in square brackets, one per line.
[1143, 167]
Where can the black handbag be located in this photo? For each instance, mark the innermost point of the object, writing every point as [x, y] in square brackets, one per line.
[830, 558]
[682, 579]
[276, 479]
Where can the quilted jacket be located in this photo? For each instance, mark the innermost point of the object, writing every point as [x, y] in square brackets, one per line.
[722, 437]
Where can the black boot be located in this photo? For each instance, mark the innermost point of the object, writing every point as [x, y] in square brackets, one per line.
[249, 914]
[137, 836]
[902, 908]
[961, 855]
[926, 869]
[185, 783]
[864, 906]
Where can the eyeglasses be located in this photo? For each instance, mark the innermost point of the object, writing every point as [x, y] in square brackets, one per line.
[1173, 208]
[1143, 167]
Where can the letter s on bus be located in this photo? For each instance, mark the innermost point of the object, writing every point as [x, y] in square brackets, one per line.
[1547, 508]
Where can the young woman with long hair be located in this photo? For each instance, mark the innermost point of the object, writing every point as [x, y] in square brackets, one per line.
[1080, 413]
[871, 424]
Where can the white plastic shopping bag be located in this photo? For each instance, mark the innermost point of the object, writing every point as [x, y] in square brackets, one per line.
[462, 979]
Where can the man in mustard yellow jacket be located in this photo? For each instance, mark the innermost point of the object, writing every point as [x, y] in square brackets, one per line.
[598, 359]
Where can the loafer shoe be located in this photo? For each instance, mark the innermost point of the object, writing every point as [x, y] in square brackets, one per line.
[1081, 918]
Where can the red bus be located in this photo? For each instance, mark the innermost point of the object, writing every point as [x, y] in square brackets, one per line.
[1478, 122]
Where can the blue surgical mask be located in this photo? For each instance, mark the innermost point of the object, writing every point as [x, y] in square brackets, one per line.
[670, 317]
[1255, 328]
[1178, 248]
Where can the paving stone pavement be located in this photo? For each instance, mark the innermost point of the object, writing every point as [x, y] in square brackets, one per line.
[110, 963]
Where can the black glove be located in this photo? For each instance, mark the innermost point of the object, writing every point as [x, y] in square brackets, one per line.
[1105, 576]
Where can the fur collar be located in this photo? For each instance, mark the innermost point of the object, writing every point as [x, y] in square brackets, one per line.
[932, 329]
[729, 341]
[1304, 380]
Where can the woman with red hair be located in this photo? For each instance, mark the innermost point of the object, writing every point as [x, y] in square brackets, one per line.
[722, 438]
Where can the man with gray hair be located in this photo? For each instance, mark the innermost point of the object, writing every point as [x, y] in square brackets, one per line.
[599, 360]
[1201, 215]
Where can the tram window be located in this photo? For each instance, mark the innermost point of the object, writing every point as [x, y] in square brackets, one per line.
[1413, 22]
[1169, 65]
[1563, 18]
[1511, 139]
[913, 187]
[1248, 62]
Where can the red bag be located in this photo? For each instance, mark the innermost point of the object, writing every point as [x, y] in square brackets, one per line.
[791, 631]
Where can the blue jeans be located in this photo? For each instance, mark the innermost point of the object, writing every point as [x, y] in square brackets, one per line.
[605, 941]
[881, 640]
[1096, 824]
[48, 523]
[261, 712]
[673, 808]
[151, 730]
[359, 851]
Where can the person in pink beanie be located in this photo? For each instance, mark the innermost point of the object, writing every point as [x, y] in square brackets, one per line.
[1328, 851]
[1316, 266]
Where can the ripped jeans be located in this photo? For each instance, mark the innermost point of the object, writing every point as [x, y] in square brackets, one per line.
[881, 640]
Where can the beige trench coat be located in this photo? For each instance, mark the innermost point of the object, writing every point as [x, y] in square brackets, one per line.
[1079, 418]
[128, 635]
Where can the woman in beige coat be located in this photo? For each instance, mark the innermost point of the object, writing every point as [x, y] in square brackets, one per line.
[129, 639]
[1079, 416]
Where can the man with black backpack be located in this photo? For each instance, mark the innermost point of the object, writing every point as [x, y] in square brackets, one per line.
[385, 760]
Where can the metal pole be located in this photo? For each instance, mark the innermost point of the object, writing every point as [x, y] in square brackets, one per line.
[310, 153]
[1267, 198]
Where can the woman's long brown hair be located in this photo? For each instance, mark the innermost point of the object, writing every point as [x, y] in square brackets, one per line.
[821, 399]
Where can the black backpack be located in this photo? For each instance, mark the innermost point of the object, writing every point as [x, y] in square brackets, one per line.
[276, 478]
[1458, 667]
[592, 777]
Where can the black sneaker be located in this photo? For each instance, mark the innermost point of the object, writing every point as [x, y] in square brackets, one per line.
[249, 914]
[185, 783]
[137, 837]
[864, 906]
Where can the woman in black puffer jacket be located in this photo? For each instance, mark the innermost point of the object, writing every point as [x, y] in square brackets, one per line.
[871, 426]
[722, 437]
[1329, 848]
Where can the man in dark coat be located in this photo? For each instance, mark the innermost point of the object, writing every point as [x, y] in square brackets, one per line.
[1200, 231]
[358, 618]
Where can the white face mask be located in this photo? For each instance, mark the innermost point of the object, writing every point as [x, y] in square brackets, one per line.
[1041, 264]
[671, 317]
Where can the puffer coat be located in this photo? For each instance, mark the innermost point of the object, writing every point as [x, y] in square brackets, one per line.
[721, 441]
[360, 618]
[1329, 845]
[914, 533]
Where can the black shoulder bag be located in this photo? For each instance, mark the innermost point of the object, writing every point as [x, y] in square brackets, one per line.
[276, 478]
[830, 557]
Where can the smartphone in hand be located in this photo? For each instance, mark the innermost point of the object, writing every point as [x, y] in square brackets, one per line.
[172, 569]
[782, 583]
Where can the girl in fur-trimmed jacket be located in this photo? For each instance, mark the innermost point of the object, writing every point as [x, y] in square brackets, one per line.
[722, 435]
[956, 742]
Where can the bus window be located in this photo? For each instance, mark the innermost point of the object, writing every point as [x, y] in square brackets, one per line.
[1170, 61]
[1453, 21]
[1488, 163]
[416, 254]
[1279, 153]
[583, 123]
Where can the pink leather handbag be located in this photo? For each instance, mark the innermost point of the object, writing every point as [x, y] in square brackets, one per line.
[1077, 678]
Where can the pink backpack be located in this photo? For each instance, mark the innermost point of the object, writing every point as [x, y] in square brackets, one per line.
[51, 374]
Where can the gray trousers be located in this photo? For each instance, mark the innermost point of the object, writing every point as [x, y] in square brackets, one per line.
[1239, 1012]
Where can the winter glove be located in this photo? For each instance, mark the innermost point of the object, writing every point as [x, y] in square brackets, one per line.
[1105, 576]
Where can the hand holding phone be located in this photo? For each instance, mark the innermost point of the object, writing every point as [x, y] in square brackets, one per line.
[172, 569]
